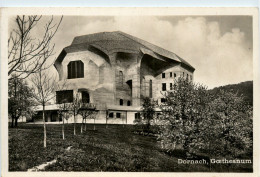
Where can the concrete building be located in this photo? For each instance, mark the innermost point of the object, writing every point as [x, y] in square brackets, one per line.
[114, 71]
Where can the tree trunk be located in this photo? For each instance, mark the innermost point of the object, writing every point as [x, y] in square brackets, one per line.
[81, 129]
[44, 127]
[63, 134]
[85, 124]
[12, 125]
[16, 122]
[94, 124]
[74, 124]
[106, 118]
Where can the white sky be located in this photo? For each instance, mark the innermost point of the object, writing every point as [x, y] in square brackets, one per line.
[219, 47]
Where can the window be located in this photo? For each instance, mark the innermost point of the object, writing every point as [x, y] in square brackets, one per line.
[187, 77]
[191, 77]
[111, 115]
[151, 89]
[64, 96]
[75, 69]
[121, 102]
[163, 100]
[175, 75]
[85, 97]
[101, 74]
[171, 86]
[128, 103]
[163, 86]
[170, 74]
[137, 115]
[183, 74]
[143, 86]
[121, 77]
[163, 75]
[118, 115]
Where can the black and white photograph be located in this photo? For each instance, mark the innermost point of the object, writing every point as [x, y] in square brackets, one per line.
[129, 92]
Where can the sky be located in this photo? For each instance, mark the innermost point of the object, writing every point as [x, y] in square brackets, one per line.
[218, 47]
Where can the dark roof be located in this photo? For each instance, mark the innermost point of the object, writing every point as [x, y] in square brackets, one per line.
[117, 40]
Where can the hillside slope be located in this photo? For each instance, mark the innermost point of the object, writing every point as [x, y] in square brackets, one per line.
[243, 88]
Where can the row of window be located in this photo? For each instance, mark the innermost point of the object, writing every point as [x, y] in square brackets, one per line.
[175, 75]
[111, 115]
[121, 102]
[66, 96]
[164, 86]
[158, 114]
[76, 70]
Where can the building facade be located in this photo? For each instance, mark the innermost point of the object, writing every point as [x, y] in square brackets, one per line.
[115, 71]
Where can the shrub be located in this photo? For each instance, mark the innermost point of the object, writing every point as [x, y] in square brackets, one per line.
[197, 120]
[147, 116]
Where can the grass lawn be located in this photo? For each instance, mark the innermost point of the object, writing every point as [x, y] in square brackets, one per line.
[116, 148]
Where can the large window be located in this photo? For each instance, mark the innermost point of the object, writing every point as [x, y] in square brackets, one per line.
[163, 86]
[111, 115]
[75, 69]
[118, 115]
[64, 96]
[163, 100]
[163, 75]
[121, 102]
[121, 78]
[151, 89]
[137, 116]
[85, 97]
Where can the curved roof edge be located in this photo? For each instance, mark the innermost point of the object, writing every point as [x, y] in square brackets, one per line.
[116, 41]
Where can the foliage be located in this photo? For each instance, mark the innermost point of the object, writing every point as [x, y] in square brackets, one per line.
[20, 99]
[183, 111]
[228, 130]
[198, 120]
[244, 89]
[147, 114]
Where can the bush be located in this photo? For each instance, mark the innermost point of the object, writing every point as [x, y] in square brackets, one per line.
[221, 124]
[146, 119]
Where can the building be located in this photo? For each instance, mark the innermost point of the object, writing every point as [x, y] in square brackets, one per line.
[114, 71]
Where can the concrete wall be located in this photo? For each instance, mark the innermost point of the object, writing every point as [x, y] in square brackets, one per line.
[105, 86]
[127, 64]
[178, 70]
[96, 81]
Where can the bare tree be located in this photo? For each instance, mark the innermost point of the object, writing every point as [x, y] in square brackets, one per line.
[26, 54]
[87, 110]
[63, 113]
[44, 91]
[74, 108]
